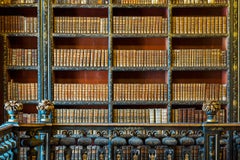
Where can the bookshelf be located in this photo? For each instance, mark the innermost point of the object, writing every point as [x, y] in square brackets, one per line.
[120, 60]
[20, 54]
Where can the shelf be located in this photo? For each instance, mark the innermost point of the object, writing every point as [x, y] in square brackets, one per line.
[19, 5]
[139, 5]
[213, 5]
[88, 103]
[186, 102]
[140, 102]
[139, 68]
[199, 68]
[139, 35]
[199, 35]
[22, 68]
[80, 5]
[79, 35]
[21, 34]
[79, 68]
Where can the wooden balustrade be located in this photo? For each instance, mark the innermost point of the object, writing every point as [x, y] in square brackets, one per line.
[116, 141]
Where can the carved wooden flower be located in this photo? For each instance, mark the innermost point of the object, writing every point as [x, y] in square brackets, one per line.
[13, 106]
[211, 106]
[45, 105]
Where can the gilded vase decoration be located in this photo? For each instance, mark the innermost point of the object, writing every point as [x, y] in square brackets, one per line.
[45, 107]
[13, 107]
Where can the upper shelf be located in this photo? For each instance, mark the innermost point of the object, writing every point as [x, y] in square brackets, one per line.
[24, 5]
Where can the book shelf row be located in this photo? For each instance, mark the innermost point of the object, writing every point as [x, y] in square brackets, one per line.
[199, 58]
[80, 57]
[199, 92]
[199, 25]
[141, 1]
[145, 2]
[18, 24]
[27, 117]
[125, 115]
[140, 58]
[193, 115]
[140, 24]
[62, 115]
[81, 2]
[88, 25]
[80, 92]
[22, 91]
[122, 92]
[121, 58]
[199, 1]
[148, 115]
[139, 92]
[22, 57]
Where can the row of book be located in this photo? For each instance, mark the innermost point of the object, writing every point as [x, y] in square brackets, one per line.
[199, 92]
[121, 58]
[22, 57]
[139, 92]
[18, 24]
[199, 25]
[193, 152]
[141, 1]
[192, 115]
[198, 1]
[81, 1]
[80, 57]
[77, 132]
[161, 152]
[80, 92]
[199, 57]
[147, 115]
[23, 153]
[78, 153]
[88, 25]
[22, 91]
[140, 58]
[62, 115]
[27, 117]
[18, 1]
[140, 24]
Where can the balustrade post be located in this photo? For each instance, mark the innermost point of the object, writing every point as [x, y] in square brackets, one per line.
[32, 142]
[118, 142]
[135, 141]
[200, 142]
[169, 142]
[101, 141]
[67, 142]
[152, 141]
[84, 141]
[211, 133]
[53, 143]
[187, 142]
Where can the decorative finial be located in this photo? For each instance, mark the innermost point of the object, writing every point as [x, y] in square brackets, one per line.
[211, 108]
[45, 107]
[13, 107]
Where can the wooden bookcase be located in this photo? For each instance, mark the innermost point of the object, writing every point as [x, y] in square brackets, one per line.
[134, 54]
[121, 60]
[20, 54]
